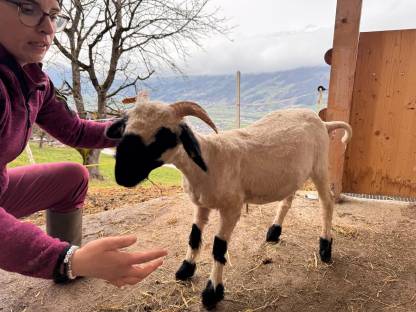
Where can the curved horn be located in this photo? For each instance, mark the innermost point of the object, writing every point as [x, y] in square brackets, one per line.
[186, 108]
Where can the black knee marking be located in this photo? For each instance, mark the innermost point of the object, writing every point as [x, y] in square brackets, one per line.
[185, 271]
[325, 249]
[211, 296]
[219, 250]
[273, 234]
[195, 237]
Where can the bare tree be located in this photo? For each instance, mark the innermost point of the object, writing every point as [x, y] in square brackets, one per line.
[118, 43]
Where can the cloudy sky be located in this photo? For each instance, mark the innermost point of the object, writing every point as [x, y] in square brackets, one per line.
[275, 35]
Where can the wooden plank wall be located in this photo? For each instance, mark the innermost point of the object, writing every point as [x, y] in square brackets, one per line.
[381, 158]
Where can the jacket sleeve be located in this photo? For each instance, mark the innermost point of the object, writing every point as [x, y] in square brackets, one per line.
[26, 249]
[58, 120]
[2, 105]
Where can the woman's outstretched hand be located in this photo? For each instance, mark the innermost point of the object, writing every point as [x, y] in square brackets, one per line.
[102, 258]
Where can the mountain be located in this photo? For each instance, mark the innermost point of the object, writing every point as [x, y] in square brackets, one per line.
[259, 93]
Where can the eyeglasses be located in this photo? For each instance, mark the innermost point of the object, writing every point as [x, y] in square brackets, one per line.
[31, 15]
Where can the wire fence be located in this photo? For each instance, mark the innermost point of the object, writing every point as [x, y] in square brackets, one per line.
[381, 197]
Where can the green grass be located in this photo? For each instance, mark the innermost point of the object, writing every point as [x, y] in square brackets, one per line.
[161, 176]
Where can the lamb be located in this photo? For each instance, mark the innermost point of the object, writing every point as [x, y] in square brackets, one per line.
[264, 162]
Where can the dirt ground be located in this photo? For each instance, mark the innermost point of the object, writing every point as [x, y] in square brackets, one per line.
[104, 199]
[373, 269]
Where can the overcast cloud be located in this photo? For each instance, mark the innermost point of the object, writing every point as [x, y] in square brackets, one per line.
[275, 35]
[272, 35]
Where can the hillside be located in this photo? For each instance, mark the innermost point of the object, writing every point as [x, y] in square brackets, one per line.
[260, 93]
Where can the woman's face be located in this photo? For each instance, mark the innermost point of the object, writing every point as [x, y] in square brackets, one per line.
[26, 44]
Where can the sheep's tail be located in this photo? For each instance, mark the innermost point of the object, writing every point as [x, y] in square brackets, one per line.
[332, 125]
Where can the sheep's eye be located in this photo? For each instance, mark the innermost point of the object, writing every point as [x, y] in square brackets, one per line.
[166, 138]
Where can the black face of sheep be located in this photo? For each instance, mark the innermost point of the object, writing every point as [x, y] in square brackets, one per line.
[135, 160]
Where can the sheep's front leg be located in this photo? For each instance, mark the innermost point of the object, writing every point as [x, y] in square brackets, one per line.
[188, 267]
[273, 234]
[214, 291]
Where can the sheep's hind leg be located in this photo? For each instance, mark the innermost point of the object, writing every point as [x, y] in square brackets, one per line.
[273, 234]
[188, 267]
[321, 182]
[214, 291]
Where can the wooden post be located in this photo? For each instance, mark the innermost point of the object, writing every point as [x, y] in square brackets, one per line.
[237, 102]
[344, 57]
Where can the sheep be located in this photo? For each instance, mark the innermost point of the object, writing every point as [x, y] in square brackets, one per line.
[264, 162]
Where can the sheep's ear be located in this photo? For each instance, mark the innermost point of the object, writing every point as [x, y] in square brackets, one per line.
[116, 130]
[191, 146]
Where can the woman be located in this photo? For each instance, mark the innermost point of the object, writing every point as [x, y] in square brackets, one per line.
[27, 29]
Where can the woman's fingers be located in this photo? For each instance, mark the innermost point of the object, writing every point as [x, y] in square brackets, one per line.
[104, 259]
[137, 273]
[117, 242]
[117, 283]
[143, 270]
[125, 281]
[142, 257]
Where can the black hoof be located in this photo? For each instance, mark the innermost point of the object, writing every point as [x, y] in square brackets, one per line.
[325, 249]
[273, 233]
[186, 271]
[211, 296]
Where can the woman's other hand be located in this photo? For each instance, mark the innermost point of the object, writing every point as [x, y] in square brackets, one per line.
[102, 258]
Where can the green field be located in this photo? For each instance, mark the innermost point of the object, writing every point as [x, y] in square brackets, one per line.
[161, 176]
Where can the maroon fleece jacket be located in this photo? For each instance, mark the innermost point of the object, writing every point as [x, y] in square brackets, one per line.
[27, 96]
